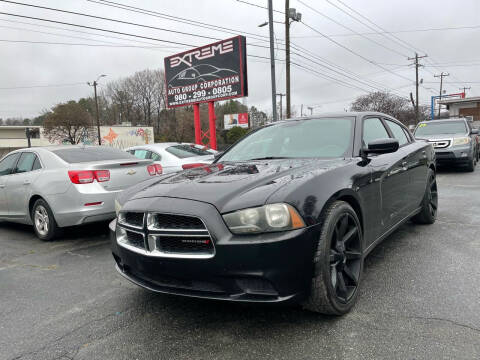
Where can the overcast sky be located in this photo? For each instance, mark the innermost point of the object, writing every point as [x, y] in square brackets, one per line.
[370, 57]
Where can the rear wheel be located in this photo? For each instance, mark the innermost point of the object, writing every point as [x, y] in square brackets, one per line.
[338, 262]
[428, 214]
[43, 221]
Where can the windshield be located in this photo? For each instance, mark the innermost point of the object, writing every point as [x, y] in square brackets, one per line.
[443, 127]
[323, 138]
[185, 151]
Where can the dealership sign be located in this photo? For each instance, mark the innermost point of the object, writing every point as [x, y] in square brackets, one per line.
[213, 72]
[231, 120]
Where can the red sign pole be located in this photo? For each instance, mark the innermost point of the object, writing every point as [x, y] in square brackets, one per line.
[196, 120]
[212, 118]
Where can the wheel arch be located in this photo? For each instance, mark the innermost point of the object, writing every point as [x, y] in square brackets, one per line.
[31, 202]
[351, 198]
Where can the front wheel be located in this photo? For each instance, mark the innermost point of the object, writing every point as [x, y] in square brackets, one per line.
[43, 221]
[338, 262]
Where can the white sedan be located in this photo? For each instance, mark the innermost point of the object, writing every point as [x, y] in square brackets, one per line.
[173, 156]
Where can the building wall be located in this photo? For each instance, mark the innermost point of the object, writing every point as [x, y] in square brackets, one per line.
[115, 136]
[459, 110]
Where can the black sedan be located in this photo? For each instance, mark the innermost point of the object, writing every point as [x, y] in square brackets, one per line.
[287, 214]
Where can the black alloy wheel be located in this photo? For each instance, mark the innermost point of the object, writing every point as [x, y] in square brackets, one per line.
[337, 262]
[429, 205]
[345, 257]
[433, 196]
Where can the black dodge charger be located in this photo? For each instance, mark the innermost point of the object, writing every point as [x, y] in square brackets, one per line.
[288, 213]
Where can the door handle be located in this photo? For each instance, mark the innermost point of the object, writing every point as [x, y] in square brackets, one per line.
[26, 182]
[2, 186]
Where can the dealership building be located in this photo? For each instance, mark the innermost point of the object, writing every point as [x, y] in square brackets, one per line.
[466, 107]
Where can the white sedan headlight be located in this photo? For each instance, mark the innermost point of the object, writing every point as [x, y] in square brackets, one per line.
[461, 141]
[267, 218]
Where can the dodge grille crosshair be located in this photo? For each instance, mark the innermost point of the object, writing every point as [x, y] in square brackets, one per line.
[164, 235]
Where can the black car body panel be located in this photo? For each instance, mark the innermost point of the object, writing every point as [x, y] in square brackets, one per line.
[384, 190]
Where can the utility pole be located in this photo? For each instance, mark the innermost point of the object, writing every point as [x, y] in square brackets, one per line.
[272, 60]
[290, 14]
[301, 110]
[27, 134]
[441, 76]
[281, 110]
[416, 83]
[465, 90]
[94, 84]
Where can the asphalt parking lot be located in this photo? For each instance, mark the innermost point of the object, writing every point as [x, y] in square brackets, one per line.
[419, 300]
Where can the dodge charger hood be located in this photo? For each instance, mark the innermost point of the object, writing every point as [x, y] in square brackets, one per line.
[230, 186]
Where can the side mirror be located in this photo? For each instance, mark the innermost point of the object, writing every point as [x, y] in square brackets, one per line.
[474, 132]
[217, 155]
[381, 146]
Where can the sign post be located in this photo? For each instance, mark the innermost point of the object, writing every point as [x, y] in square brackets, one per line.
[212, 72]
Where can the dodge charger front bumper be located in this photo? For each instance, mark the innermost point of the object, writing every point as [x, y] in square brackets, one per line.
[274, 267]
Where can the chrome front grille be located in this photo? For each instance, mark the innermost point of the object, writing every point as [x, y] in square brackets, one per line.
[164, 235]
[440, 144]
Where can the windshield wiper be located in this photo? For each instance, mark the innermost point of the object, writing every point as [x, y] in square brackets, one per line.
[270, 158]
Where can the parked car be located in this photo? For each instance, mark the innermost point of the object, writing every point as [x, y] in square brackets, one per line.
[173, 156]
[286, 214]
[454, 140]
[58, 186]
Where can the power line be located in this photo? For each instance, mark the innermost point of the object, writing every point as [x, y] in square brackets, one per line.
[350, 29]
[355, 53]
[384, 33]
[77, 31]
[42, 86]
[82, 44]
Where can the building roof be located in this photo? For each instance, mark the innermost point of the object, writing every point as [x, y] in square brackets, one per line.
[474, 99]
[13, 127]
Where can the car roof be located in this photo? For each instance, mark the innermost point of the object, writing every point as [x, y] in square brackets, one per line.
[342, 114]
[444, 120]
[154, 146]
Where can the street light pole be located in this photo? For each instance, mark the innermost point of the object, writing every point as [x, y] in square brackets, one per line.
[290, 14]
[94, 84]
[272, 60]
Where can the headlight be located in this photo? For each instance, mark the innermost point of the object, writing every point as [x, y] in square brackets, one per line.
[118, 207]
[268, 218]
[461, 141]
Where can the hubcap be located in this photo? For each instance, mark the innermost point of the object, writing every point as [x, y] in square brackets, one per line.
[345, 257]
[433, 197]
[41, 220]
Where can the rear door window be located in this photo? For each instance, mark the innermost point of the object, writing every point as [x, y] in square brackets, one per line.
[156, 157]
[89, 154]
[25, 163]
[185, 151]
[7, 164]
[142, 154]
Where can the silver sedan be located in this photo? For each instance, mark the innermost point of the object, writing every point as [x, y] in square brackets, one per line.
[54, 187]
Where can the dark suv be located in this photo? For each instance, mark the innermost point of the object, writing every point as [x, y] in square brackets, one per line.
[454, 140]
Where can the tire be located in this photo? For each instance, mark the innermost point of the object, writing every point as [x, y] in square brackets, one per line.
[44, 223]
[471, 165]
[337, 268]
[428, 214]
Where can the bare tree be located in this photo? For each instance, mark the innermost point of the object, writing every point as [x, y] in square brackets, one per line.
[393, 105]
[68, 122]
